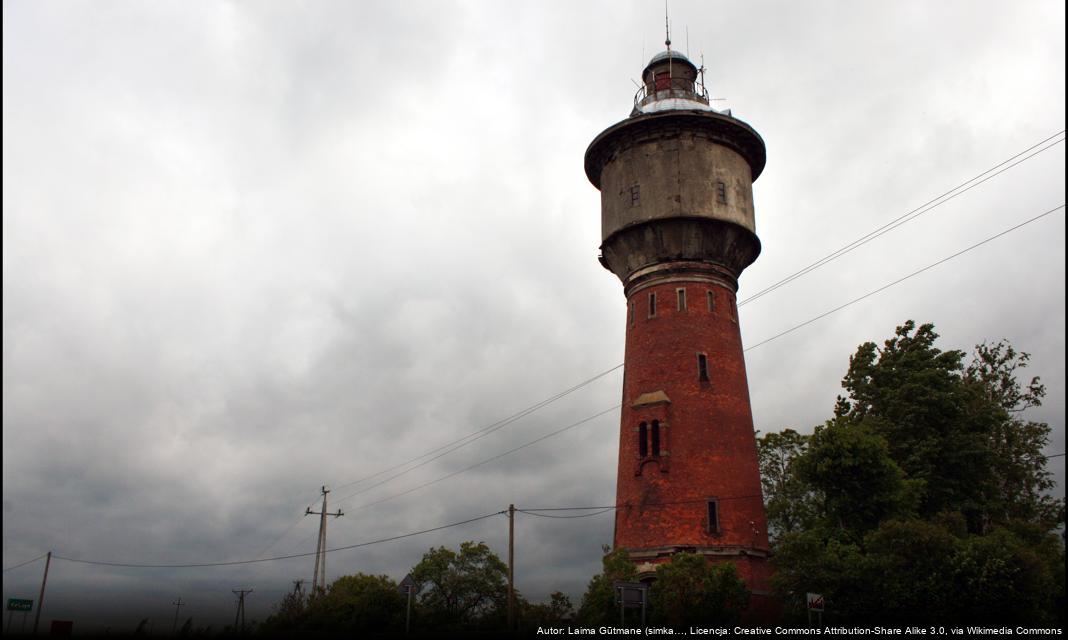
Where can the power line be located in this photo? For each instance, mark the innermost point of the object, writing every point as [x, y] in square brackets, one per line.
[23, 564]
[197, 565]
[908, 217]
[459, 442]
[899, 280]
[131, 565]
[479, 435]
[960, 189]
[779, 335]
[646, 504]
[488, 460]
[585, 515]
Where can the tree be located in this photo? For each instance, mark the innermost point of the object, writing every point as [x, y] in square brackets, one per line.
[357, 603]
[598, 605]
[554, 613]
[462, 589]
[955, 426]
[930, 492]
[1021, 482]
[911, 393]
[788, 500]
[691, 590]
[849, 467]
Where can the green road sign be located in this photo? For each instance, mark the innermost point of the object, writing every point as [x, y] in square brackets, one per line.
[16, 604]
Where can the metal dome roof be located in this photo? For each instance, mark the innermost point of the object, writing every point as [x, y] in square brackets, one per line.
[668, 53]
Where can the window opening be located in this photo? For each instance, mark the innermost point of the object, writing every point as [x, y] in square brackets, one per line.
[652, 305]
[721, 193]
[643, 445]
[681, 295]
[711, 301]
[635, 195]
[702, 367]
[632, 313]
[713, 516]
[656, 437]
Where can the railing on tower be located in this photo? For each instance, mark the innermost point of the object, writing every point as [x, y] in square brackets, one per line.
[664, 87]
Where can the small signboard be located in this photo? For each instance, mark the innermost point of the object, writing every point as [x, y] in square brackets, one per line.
[631, 594]
[408, 586]
[18, 604]
[815, 602]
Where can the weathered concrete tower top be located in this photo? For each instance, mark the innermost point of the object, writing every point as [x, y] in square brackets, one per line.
[678, 161]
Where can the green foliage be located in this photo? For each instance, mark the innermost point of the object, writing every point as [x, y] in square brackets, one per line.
[1020, 480]
[354, 603]
[554, 613]
[464, 589]
[690, 590]
[955, 426]
[849, 467]
[789, 501]
[918, 572]
[925, 499]
[598, 605]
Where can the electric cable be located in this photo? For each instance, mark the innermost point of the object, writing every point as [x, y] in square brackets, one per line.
[487, 460]
[23, 564]
[899, 280]
[483, 431]
[132, 565]
[907, 217]
[479, 434]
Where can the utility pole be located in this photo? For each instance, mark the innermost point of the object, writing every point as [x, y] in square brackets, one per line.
[40, 598]
[177, 607]
[511, 567]
[241, 607]
[319, 575]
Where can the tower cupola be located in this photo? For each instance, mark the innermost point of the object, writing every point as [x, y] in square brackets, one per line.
[671, 81]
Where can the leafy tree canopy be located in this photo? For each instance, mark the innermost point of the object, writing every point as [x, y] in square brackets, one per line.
[925, 498]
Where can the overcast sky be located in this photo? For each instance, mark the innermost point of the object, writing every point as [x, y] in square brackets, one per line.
[254, 248]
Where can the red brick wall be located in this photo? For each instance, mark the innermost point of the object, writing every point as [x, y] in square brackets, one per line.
[707, 441]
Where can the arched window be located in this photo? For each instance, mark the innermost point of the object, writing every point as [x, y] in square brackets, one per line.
[643, 443]
[656, 437]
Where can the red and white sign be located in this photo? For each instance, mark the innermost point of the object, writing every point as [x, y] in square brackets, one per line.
[815, 601]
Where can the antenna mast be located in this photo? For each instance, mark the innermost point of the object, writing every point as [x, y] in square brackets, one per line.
[667, 37]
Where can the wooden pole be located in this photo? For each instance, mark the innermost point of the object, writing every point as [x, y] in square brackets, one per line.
[511, 567]
[40, 598]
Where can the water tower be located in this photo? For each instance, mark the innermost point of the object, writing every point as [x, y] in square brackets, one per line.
[678, 228]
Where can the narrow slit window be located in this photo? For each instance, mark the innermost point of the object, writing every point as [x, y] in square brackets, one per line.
[635, 195]
[656, 437]
[713, 516]
[711, 301]
[734, 311]
[643, 444]
[631, 319]
[681, 295]
[721, 192]
[652, 305]
[702, 367]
